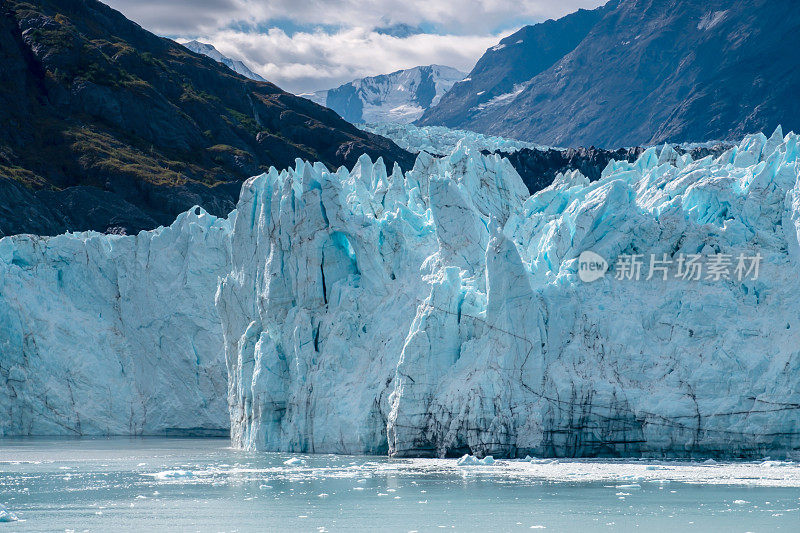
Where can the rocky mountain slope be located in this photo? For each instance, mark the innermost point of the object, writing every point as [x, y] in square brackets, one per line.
[499, 73]
[399, 97]
[644, 72]
[233, 64]
[107, 126]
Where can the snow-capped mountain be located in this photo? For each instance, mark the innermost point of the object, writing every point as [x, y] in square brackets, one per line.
[399, 97]
[637, 72]
[233, 64]
[434, 312]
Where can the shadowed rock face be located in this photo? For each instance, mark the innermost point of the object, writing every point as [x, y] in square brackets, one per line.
[644, 72]
[95, 109]
[515, 59]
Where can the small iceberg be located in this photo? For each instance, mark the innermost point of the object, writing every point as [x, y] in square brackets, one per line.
[173, 474]
[471, 460]
[6, 515]
[295, 461]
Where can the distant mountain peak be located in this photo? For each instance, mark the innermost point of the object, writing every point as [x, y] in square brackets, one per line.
[400, 97]
[233, 64]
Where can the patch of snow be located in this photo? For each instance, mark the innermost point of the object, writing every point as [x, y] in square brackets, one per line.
[711, 19]
[503, 99]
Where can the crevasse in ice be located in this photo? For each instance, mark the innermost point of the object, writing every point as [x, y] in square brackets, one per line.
[440, 312]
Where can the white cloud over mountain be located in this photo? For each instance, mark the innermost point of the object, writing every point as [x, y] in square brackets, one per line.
[305, 45]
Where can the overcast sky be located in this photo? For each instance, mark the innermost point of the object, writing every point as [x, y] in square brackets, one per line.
[306, 45]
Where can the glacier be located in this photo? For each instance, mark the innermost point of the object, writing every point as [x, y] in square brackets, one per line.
[440, 140]
[436, 312]
[439, 312]
[109, 334]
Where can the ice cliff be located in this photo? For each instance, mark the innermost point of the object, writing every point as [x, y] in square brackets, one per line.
[440, 312]
[436, 312]
[108, 334]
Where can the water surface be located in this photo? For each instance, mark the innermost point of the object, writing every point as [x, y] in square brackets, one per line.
[126, 484]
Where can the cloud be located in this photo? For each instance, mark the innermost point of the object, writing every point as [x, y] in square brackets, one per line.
[462, 17]
[318, 60]
[306, 45]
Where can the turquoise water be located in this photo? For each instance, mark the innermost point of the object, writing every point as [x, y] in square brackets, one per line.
[203, 485]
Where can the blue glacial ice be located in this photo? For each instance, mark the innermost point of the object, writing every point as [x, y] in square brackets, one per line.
[107, 334]
[441, 140]
[439, 312]
[436, 312]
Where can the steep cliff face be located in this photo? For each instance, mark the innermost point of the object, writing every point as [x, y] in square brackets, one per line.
[93, 106]
[441, 312]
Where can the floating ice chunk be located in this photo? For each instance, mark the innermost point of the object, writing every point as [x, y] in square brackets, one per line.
[471, 460]
[295, 461]
[173, 474]
[775, 464]
[6, 515]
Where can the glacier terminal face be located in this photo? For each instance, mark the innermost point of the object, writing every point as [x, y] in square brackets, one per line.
[107, 334]
[440, 312]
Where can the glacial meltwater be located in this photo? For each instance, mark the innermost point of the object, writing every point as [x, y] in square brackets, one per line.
[125, 484]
